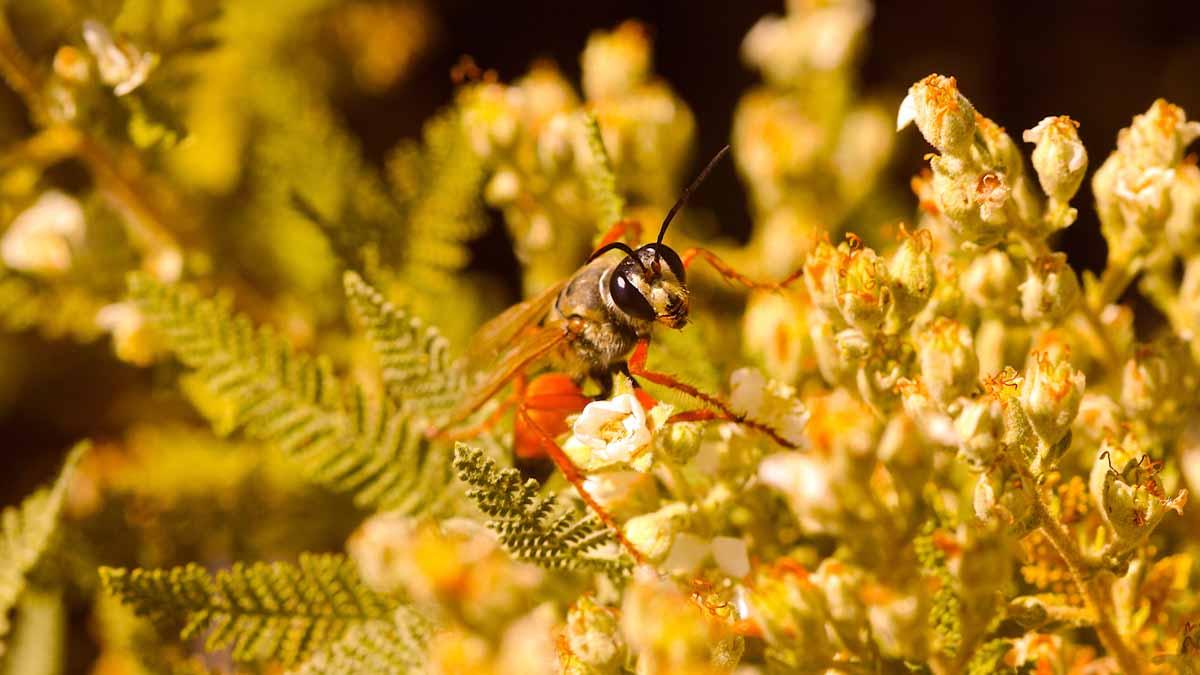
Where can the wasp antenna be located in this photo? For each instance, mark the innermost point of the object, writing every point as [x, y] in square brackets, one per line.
[619, 246]
[688, 192]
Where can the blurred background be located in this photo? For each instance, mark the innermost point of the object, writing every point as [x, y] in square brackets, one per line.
[1100, 62]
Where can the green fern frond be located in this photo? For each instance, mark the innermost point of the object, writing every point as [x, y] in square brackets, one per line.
[262, 612]
[534, 528]
[340, 438]
[371, 648]
[439, 187]
[25, 533]
[989, 658]
[414, 358]
[601, 179]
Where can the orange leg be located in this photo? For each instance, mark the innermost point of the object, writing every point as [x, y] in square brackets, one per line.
[637, 367]
[619, 230]
[724, 269]
[576, 478]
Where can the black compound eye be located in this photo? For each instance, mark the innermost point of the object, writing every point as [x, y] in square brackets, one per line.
[628, 298]
[670, 257]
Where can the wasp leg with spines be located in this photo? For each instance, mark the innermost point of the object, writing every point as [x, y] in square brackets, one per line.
[637, 366]
[726, 270]
[576, 478]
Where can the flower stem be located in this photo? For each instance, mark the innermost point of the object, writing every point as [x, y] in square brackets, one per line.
[1097, 595]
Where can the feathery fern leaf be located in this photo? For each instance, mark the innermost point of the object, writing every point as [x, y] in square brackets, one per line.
[371, 648]
[25, 532]
[341, 438]
[414, 357]
[601, 179]
[264, 611]
[439, 186]
[534, 528]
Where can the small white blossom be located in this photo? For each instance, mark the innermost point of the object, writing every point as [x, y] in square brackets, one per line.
[769, 402]
[133, 338]
[611, 432]
[41, 238]
[122, 66]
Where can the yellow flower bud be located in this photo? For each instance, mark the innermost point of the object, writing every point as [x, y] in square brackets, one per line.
[1050, 289]
[945, 117]
[1182, 227]
[946, 354]
[1157, 137]
[1058, 156]
[821, 275]
[653, 533]
[1050, 396]
[614, 62]
[42, 238]
[912, 271]
[593, 636]
[990, 281]
[980, 427]
[864, 293]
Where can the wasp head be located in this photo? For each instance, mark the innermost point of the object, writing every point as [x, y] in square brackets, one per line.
[650, 285]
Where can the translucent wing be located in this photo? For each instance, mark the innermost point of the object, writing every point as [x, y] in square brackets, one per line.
[532, 346]
[498, 334]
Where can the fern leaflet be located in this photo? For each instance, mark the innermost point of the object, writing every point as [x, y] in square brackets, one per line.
[534, 528]
[264, 611]
[414, 358]
[601, 179]
[25, 533]
[341, 438]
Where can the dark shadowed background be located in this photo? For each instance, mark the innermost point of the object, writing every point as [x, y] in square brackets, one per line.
[1100, 62]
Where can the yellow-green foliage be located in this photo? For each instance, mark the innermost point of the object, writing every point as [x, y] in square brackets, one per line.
[340, 438]
[25, 534]
[532, 527]
[276, 611]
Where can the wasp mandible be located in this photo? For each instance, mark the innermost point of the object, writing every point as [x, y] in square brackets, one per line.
[595, 324]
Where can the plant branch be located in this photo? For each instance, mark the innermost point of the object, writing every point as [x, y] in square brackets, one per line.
[1097, 595]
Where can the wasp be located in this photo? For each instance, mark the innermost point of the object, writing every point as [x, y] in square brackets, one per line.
[593, 325]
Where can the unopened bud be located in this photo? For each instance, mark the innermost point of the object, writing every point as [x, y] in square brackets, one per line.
[71, 65]
[821, 275]
[1050, 396]
[980, 427]
[1050, 289]
[653, 533]
[945, 117]
[912, 271]
[42, 238]
[1183, 224]
[949, 366]
[990, 281]
[1157, 137]
[615, 62]
[864, 293]
[1059, 156]
[593, 636]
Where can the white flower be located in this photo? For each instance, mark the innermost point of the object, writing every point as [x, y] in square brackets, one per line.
[133, 339]
[805, 482]
[609, 432]
[769, 402]
[41, 237]
[122, 66]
